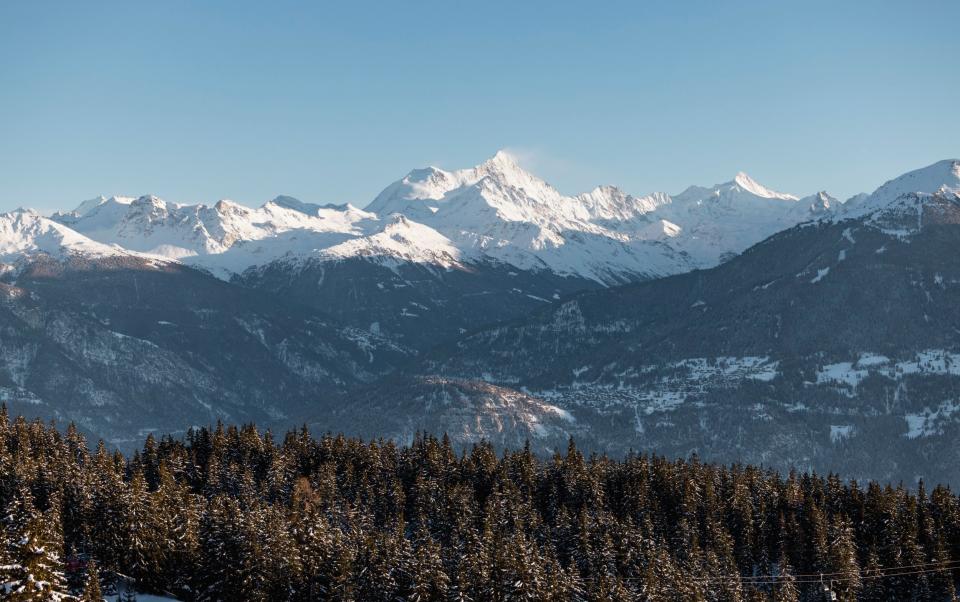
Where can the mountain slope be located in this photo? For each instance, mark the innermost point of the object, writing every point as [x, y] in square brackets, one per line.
[832, 344]
[123, 346]
[25, 233]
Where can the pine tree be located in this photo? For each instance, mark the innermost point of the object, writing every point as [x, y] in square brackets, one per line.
[941, 581]
[874, 586]
[36, 571]
[430, 581]
[785, 589]
[9, 570]
[143, 556]
[843, 558]
[91, 589]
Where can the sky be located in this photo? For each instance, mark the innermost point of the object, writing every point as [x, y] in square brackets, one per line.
[330, 102]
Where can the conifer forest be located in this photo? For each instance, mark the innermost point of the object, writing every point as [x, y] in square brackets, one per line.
[233, 513]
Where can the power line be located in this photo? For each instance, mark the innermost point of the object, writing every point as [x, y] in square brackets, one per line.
[860, 577]
[939, 564]
[813, 578]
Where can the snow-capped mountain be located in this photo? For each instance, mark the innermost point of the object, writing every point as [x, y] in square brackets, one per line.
[495, 211]
[500, 211]
[724, 219]
[25, 233]
[907, 192]
[399, 240]
[904, 206]
[226, 237]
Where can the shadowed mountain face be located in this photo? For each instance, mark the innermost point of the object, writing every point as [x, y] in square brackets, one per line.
[419, 306]
[123, 347]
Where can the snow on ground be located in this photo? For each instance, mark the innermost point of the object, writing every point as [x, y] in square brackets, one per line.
[931, 361]
[872, 359]
[930, 422]
[820, 274]
[839, 432]
[561, 412]
[841, 372]
[25, 232]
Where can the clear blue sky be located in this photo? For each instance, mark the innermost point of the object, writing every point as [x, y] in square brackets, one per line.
[329, 102]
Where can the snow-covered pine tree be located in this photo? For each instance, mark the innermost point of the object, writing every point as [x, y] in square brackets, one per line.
[91, 589]
[429, 580]
[785, 589]
[843, 558]
[36, 571]
[143, 555]
[175, 518]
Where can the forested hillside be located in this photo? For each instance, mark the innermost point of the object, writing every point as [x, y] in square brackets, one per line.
[231, 513]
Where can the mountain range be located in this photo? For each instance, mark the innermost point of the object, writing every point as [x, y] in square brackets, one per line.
[730, 320]
[437, 252]
[495, 212]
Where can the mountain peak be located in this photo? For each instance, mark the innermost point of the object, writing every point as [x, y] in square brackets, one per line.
[818, 204]
[95, 203]
[605, 191]
[148, 199]
[227, 205]
[750, 185]
[502, 159]
[283, 199]
[940, 177]
[292, 203]
[505, 167]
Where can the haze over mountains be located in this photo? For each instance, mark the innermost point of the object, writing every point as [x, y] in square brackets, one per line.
[731, 320]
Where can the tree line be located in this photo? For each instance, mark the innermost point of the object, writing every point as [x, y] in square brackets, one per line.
[231, 513]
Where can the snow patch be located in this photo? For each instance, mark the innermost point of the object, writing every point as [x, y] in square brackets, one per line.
[931, 361]
[930, 422]
[839, 432]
